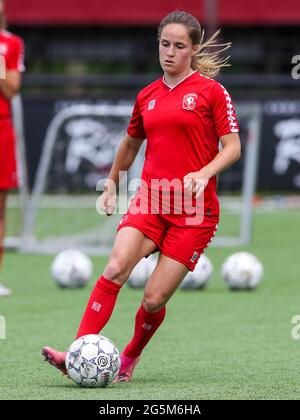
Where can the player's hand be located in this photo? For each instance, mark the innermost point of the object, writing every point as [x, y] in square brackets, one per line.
[107, 201]
[196, 182]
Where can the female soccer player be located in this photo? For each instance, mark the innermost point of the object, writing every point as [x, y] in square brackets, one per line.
[11, 48]
[183, 115]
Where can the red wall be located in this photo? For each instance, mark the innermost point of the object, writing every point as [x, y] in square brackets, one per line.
[148, 12]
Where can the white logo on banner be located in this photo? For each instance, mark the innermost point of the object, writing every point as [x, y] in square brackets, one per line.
[288, 147]
[90, 140]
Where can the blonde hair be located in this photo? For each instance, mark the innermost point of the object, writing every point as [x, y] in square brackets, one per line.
[207, 60]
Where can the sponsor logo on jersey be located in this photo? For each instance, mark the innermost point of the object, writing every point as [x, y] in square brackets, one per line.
[189, 101]
[151, 104]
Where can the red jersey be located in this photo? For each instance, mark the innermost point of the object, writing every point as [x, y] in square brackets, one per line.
[12, 49]
[183, 125]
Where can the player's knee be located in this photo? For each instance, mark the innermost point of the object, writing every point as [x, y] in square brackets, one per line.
[153, 303]
[116, 270]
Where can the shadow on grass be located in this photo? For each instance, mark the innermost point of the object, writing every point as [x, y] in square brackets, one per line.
[138, 382]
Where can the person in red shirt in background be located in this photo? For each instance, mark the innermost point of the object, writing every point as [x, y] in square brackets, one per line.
[184, 115]
[11, 49]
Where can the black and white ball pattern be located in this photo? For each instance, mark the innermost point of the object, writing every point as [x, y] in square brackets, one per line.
[93, 361]
[242, 271]
[71, 268]
[199, 278]
[141, 272]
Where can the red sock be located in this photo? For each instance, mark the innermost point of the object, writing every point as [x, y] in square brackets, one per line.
[99, 307]
[146, 324]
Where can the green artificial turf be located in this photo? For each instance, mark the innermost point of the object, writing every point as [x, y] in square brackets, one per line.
[214, 343]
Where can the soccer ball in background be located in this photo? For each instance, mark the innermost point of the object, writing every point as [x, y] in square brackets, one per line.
[201, 275]
[71, 268]
[93, 361]
[142, 271]
[242, 270]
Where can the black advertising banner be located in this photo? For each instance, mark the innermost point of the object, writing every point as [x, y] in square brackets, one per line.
[279, 167]
[85, 145]
[37, 116]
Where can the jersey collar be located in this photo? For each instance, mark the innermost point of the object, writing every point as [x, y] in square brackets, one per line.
[178, 83]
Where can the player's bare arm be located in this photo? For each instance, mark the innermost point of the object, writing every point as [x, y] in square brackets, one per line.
[125, 156]
[10, 86]
[230, 153]
[126, 153]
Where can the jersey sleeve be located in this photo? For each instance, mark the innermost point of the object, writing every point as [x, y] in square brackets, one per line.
[15, 58]
[223, 111]
[136, 127]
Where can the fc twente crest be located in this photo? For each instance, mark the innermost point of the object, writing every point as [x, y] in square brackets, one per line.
[189, 101]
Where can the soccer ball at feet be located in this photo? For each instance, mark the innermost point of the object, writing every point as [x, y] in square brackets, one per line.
[71, 268]
[242, 270]
[93, 361]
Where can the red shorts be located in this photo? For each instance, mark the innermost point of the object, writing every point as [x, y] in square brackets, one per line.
[8, 166]
[181, 243]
